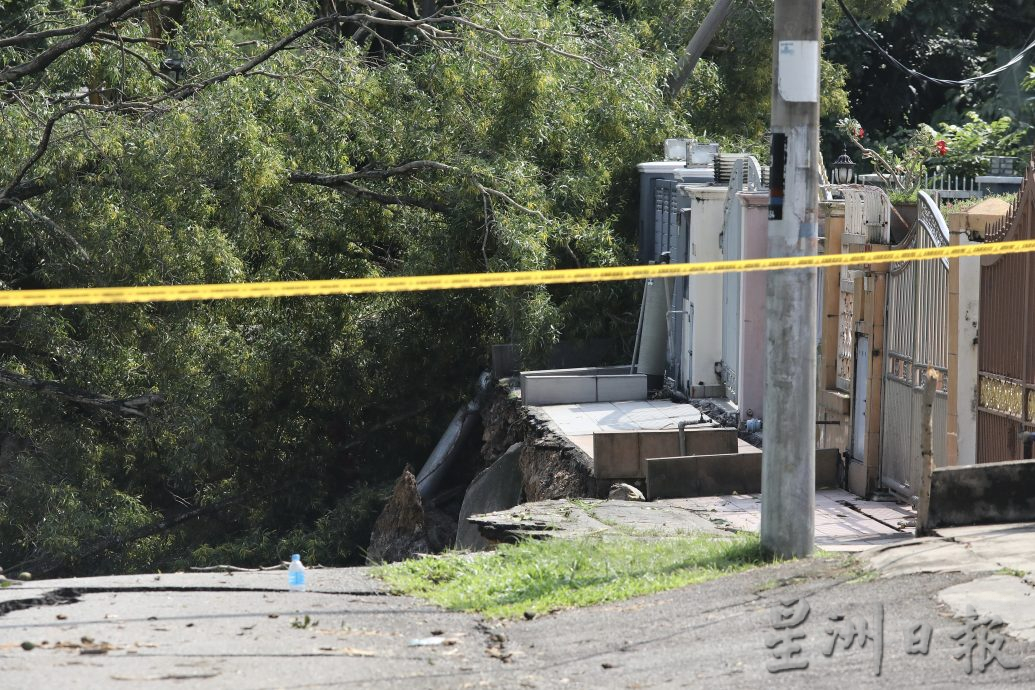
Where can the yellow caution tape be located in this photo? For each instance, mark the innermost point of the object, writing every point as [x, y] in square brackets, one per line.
[354, 286]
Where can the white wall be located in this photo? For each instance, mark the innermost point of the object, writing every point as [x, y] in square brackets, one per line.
[706, 218]
[967, 364]
[754, 245]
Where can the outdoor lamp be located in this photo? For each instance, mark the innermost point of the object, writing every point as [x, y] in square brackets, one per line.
[844, 169]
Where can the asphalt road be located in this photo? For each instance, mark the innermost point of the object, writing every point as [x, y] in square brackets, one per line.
[244, 632]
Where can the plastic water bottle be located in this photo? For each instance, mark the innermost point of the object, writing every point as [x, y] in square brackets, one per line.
[296, 574]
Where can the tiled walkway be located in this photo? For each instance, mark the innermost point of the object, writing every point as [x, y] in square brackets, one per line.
[579, 421]
[844, 522]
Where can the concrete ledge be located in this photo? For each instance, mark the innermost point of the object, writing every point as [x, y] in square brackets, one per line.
[624, 387]
[557, 390]
[987, 493]
[623, 454]
[718, 474]
[583, 371]
[602, 384]
[704, 475]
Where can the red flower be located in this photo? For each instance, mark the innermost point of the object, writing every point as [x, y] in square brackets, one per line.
[861, 132]
[941, 146]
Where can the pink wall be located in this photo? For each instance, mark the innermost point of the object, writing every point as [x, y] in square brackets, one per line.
[751, 369]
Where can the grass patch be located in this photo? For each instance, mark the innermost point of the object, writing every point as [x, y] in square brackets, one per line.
[1015, 572]
[543, 576]
[769, 585]
[964, 205]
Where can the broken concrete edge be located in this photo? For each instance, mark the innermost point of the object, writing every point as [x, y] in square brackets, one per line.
[497, 487]
[597, 518]
[550, 466]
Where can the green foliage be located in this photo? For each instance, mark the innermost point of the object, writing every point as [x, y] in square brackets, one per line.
[1012, 572]
[903, 168]
[964, 205]
[964, 150]
[273, 436]
[730, 90]
[542, 576]
[303, 623]
[948, 39]
[969, 145]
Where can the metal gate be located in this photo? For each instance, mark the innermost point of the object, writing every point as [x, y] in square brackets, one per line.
[671, 228]
[915, 338]
[1006, 354]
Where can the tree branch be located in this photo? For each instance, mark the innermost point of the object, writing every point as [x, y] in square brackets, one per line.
[23, 192]
[429, 22]
[139, 58]
[30, 37]
[403, 169]
[9, 192]
[84, 33]
[54, 228]
[344, 182]
[43, 564]
[500, 195]
[336, 182]
[125, 407]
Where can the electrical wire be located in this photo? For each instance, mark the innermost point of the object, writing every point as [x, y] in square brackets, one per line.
[920, 75]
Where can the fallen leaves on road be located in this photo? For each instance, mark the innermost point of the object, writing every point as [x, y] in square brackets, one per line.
[168, 676]
[86, 645]
[347, 651]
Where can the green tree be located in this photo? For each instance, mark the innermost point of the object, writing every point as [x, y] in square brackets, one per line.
[182, 142]
[953, 39]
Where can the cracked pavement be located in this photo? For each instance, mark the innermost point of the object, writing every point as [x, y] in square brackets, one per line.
[245, 631]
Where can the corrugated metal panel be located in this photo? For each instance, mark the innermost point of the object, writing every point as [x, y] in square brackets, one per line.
[1006, 357]
[997, 436]
[671, 236]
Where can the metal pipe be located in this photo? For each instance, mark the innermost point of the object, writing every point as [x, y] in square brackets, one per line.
[459, 430]
[903, 491]
[682, 431]
[639, 329]
[698, 44]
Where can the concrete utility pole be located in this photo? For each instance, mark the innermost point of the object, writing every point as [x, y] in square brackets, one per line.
[789, 453]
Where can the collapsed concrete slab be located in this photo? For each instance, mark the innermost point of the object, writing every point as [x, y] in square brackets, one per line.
[400, 531]
[567, 519]
[495, 488]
